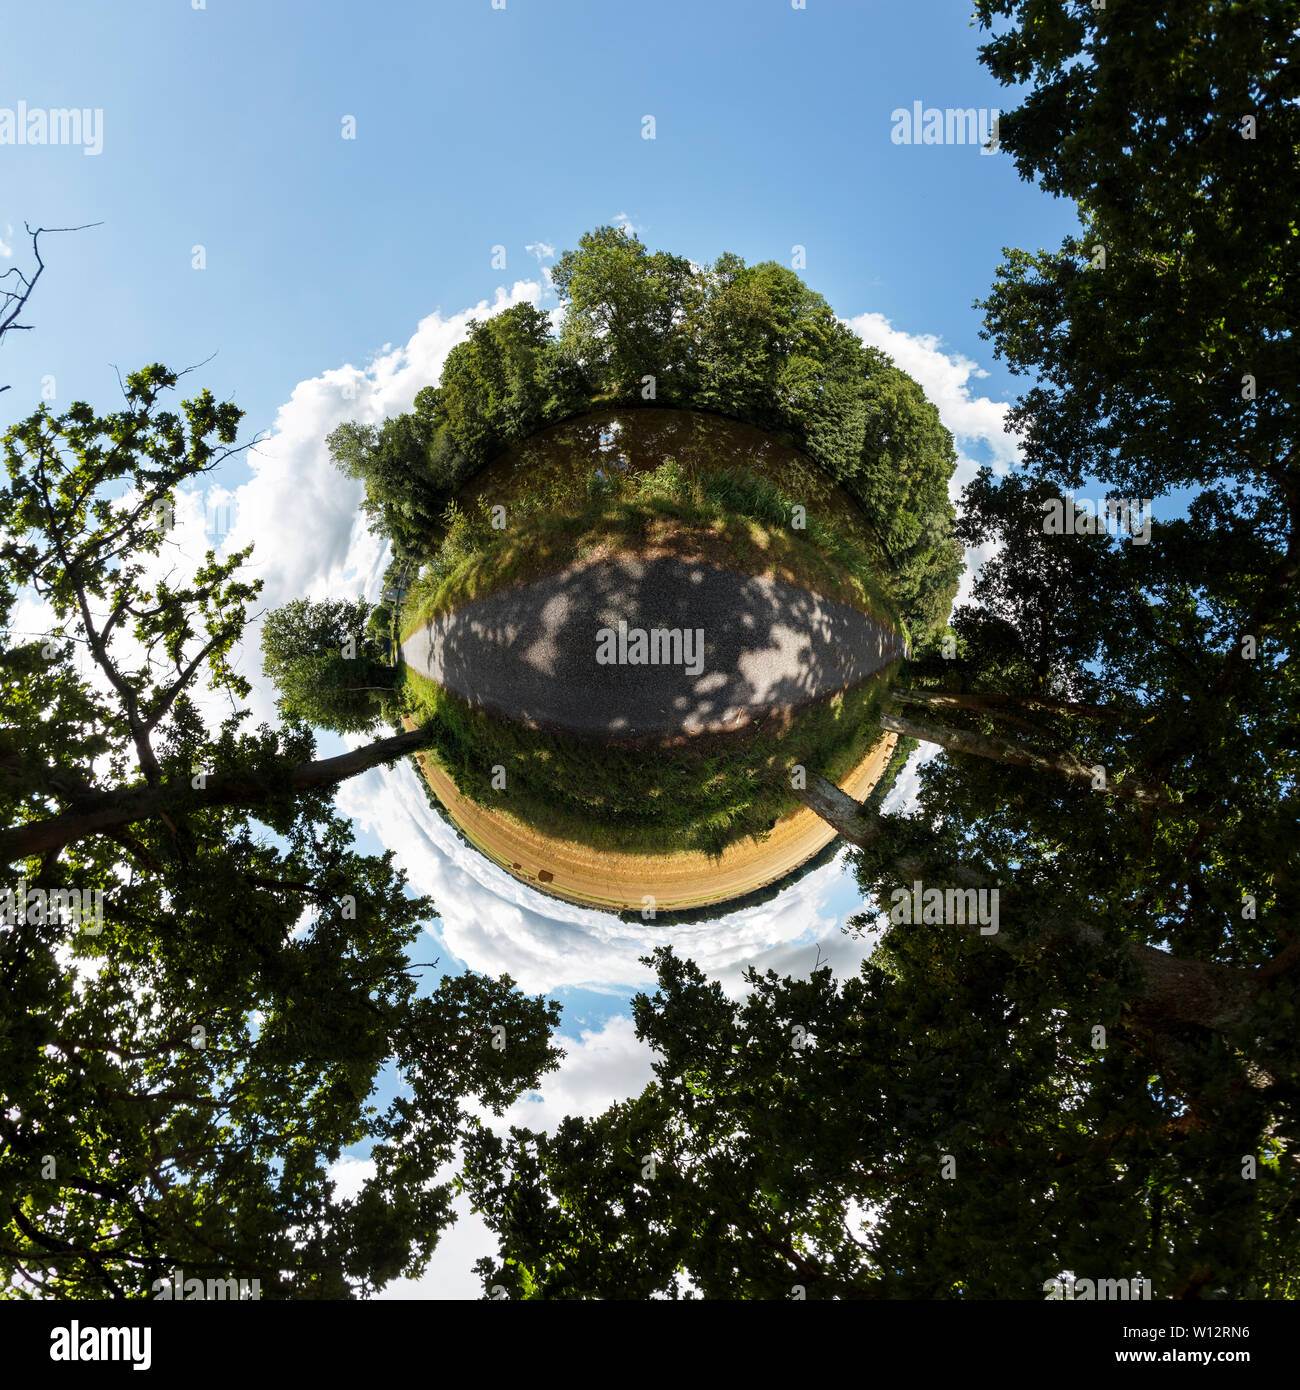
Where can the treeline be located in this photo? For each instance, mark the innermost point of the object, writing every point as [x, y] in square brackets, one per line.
[750, 342]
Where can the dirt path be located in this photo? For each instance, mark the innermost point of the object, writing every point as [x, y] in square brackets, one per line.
[613, 881]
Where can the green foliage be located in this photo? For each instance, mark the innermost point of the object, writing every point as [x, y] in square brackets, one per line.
[560, 526]
[175, 1086]
[704, 795]
[1137, 114]
[798, 1140]
[329, 663]
[1159, 908]
[754, 343]
[403, 496]
[504, 382]
[623, 303]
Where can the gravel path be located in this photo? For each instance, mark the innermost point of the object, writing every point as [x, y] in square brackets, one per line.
[531, 652]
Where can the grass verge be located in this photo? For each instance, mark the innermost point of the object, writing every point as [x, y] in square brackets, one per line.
[734, 520]
[702, 794]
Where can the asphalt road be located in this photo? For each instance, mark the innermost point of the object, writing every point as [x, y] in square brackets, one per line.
[531, 652]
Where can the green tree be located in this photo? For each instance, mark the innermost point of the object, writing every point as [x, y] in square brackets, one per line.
[175, 1084]
[1114, 1071]
[88, 504]
[503, 383]
[622, 310]
[754, 342]
[328, 666]
[930, 1128]
[403, 497]
[758, 344]
[1176, 133]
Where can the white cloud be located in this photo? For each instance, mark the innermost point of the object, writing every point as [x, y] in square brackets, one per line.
[603, 1066]
[5, 249]
[303, 518]
[545, 252]
[349, 1175]
[494, 923]
[946, 379]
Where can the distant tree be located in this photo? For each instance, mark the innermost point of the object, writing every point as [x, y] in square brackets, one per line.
[755, 343]
[623, 305]
[402, 497]
[500, 385]
[504, 382]
[330, 669]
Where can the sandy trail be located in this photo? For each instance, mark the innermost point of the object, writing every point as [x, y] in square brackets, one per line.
[613, 881]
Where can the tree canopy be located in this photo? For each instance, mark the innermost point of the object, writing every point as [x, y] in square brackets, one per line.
[331, 669]
[1106, 1084]
[201, 981]
[640, 328]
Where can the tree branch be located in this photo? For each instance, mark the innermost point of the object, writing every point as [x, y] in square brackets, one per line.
[113, 810]
[1174, 989]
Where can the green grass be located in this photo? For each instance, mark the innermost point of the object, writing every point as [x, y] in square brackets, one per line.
[735, 518]
[703, 795]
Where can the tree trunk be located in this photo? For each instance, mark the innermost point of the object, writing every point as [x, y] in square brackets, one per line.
[113, 810]
[1005, 750]
[1174, 990]
[990, 703]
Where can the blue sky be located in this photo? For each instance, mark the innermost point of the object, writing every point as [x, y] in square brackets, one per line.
[338, 272]
[475, 128]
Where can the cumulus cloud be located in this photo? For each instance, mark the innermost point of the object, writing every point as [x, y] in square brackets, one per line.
[602, 1066]
[946, 378]
[494, 923]
[303, 518]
